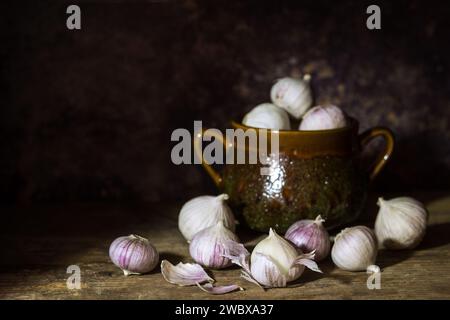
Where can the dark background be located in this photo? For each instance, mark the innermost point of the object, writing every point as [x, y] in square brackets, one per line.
[87, 115]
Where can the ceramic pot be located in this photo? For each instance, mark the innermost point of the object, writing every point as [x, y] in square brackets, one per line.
[315, 172]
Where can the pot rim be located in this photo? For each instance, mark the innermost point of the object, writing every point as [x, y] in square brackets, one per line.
[353, 124]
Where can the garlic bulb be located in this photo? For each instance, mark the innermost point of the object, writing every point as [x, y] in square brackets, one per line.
[133, 254]
[293, 95]
[274, 261]
[354, 249]
[203, 212]
[400, 223]
[268, 116]
[323, 118]
[309, 235]
[209, 245]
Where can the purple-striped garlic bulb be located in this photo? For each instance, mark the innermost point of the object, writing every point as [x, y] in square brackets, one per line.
[133, 254]
[209, 245]
[309, 235]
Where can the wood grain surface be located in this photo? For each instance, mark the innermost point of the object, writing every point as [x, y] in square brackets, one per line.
[40, 242]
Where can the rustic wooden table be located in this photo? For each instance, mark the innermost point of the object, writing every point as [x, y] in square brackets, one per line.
[39, 243]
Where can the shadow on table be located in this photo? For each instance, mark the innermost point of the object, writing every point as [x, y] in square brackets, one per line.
[327, 267]
[437, 235]
[388, 258]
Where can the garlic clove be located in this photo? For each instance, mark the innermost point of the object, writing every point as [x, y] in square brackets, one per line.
[268, 116]
[208, 246]
[310, 235]
[323, 118]
[203, 212]
[273, 263]
[184, 274]
[354, 249]
[209, 288]
[266, 271]
[401, 223]
[278, 249]
[293, 95]
[133, 254]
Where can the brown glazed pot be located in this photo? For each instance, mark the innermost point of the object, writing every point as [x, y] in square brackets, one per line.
[316, 173]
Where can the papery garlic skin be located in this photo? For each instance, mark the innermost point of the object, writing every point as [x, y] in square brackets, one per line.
[293, 95]
[184, 274]
[203, 212]
[401, 223]
[309, 235]
[354, 249]
[209, 246]
[323, 118]
[267, 116]
[133, 254]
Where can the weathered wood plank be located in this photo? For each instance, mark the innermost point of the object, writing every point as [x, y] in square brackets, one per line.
[35, 261]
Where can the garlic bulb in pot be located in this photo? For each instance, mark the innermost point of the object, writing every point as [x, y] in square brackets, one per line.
[203, 212]
[323, 118]
[133, 254]
[209, 245]
[354, 249]
[268, 116]
[309, 235]
[401, 223]
[293, 95]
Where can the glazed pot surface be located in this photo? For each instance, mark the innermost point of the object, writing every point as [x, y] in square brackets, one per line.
[314, 173]
[330, 186]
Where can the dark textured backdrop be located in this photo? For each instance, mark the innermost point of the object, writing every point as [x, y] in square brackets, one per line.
[87, 115]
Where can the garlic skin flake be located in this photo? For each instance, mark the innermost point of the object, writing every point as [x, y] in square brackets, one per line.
[401, 223]
[323, 118]
[184, 274]
[209, 288]
[209, 245]
[133, 254]
[273, 263]
[203, 212]
[192, 274]
[309, 235]
[293, 95]
[354, 249]
[267, 116]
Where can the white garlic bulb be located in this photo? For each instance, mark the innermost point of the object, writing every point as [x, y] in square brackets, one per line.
[209, 245]
[323, 118]
[400, 223]
[274, 261]
[268, 116]
[203, 212]
[354, 249]
[293, 95]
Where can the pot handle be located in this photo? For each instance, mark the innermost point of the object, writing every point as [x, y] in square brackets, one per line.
[215, 176]
[388, 136]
